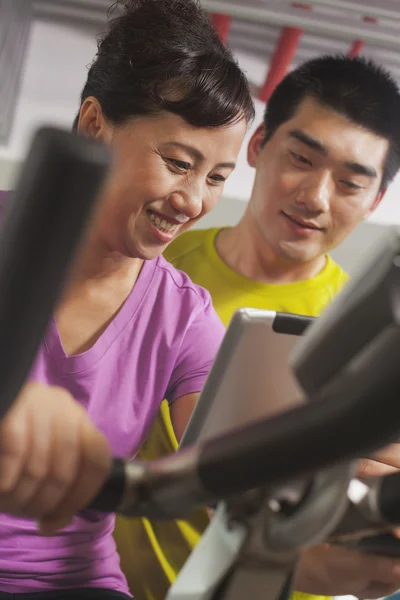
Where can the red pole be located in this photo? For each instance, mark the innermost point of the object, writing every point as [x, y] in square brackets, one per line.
[356, 48]
[358, 45]
[284, 53]
[222, 24]
[370, 20]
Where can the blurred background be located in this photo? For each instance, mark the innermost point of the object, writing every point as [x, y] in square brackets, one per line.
[47, 45]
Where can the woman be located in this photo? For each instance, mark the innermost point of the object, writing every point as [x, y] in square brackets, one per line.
[130, 330]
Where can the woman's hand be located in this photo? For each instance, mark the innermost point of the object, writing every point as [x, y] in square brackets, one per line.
[382, 462]
[53, 460]
[326, 570]
[334, 570]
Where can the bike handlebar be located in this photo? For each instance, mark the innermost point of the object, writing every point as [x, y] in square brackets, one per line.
[287, 446]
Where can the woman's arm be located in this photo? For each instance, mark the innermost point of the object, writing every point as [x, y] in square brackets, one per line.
[53, 461]
[181, 411]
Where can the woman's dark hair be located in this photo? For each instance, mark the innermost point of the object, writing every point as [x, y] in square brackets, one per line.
[357, 88]
[164, 55]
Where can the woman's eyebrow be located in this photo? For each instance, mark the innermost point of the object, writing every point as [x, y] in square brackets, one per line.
[197, 155]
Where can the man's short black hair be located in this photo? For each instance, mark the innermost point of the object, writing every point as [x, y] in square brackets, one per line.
[164, 55]
[356, 88]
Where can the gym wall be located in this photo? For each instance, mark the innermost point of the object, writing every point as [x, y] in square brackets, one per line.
[49, 93]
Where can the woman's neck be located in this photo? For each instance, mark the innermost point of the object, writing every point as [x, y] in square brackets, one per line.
[96, 264]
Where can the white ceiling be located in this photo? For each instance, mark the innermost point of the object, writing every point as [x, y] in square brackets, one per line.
[329, 25]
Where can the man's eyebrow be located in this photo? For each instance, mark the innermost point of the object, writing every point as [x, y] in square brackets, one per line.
[315, 144]
[361, 169]
[311, 142]
[197, 155]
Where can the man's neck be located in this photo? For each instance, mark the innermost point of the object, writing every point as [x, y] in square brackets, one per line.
[244, 250]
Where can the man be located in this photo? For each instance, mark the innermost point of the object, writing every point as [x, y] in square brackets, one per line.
[327, 150]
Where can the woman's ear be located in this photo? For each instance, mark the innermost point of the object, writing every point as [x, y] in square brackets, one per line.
[91, 122]
[255, 145]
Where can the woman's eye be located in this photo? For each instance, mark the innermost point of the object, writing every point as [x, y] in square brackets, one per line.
[218, 178]
[300, 158]
[180, 164]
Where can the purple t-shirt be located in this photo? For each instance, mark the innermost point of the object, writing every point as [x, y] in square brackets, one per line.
[160, 345]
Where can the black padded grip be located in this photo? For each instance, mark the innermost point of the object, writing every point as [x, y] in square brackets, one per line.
[389, 498]
[110, 496]
[388, 503]
[384, 545]
[41, 226]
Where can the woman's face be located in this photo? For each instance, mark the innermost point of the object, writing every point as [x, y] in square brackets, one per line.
[166, 176]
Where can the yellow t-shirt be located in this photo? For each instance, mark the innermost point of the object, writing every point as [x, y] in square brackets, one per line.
[152, 553]
[194, 252]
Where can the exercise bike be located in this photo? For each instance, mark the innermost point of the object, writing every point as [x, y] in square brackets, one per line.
[272, 491]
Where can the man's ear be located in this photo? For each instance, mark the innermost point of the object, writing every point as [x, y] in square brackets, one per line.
[376, 203]
[255, 145]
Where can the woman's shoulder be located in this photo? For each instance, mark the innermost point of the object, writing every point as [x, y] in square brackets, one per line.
[189, 243]
[179, 284]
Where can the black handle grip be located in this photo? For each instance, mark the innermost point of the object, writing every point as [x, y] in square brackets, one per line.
[384, 545]
[110, 496]
[40, 230]
[389, 498]
[387, 505]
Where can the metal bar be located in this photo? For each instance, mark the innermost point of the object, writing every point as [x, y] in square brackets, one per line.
[377, 8]
[97, 5]
[260, 39]
[277, 13]
[16, 19]
[71, 13]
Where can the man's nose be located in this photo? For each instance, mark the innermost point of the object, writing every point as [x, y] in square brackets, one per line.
[316, 195]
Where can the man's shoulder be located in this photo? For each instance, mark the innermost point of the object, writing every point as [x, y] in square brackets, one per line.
[188, 243]
[318, 292]
[335, 274]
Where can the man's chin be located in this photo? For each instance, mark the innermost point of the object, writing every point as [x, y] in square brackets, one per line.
[300, 253]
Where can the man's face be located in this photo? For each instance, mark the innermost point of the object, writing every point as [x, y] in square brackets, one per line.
[316, 179]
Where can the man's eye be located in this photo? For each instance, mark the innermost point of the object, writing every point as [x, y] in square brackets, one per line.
[180, 164]
[351, 185]
[300, 158]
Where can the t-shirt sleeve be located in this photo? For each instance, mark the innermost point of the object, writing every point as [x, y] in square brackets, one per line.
[198, 349]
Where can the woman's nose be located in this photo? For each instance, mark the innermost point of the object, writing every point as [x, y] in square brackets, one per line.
[188, 203]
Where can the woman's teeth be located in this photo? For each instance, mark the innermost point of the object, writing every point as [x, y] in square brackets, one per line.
[161, 224]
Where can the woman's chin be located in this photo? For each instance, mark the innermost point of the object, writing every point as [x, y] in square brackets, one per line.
[146, 252]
